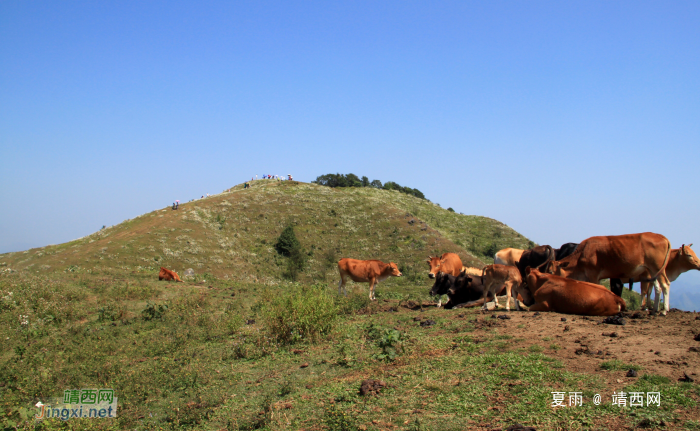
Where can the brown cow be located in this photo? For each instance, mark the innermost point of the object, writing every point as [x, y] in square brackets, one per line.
[495, 276]
[619, 256]
[365, 271]
[449, 263]
[167, 275]
[507, 256]
[680, 260]
[566, 295]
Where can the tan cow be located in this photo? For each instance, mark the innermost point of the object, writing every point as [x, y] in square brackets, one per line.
[680, 260]
[496, 276]
[566, 295]
[365, 271]
[449, 263]
[508, 256]
[167, 275]
[619, 256]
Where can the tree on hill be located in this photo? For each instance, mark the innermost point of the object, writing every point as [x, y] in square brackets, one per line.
[288, 245]
[352, 180]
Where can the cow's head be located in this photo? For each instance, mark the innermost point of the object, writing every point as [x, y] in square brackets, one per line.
[560, 268]
[460, 282]
[441, 285]
[434, 263]
[532, 280]
[394, 269]
[689, 257]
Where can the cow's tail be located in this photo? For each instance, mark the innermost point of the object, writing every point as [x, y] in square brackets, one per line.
[663, 267]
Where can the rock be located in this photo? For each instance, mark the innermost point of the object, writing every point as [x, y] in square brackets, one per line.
[614, 320]
[371, 387]
[411, 222]
[694, 349]
[304, 365]
[504, 317]
[567, 328]
[189, 272]
[632, 373]
[416, 319]
[563, 319]
[686, 378]
[697, 337]
[250, 322]
[537, 313]
[611, 334]
[490, 306]
[427, 323]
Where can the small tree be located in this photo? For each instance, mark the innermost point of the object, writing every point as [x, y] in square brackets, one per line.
[365, 182]
[376, 184]
[287, 242]
[288, 245]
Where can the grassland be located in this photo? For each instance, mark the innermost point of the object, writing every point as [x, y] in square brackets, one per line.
[240, 347]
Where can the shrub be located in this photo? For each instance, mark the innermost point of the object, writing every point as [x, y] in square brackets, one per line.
[154, 311]
[302, 313]
[287, 241]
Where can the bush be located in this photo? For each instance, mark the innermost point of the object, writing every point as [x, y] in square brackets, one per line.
[302, 313]
[287, 242]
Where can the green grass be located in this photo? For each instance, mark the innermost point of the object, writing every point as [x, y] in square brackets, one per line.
[239, 347]
[616, 364]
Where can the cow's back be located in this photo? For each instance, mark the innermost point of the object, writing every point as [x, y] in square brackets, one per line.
[452, 264]
[360, 270]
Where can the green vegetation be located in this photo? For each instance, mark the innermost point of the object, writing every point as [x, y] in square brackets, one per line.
[239, 346]
[352, 180]
[618, 365]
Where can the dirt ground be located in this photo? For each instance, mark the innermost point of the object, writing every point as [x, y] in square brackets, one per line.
[662, 345]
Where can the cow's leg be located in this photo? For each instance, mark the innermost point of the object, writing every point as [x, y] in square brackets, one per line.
[439, 304]
[666, 287]
[540, 306]
[657, 298]
[646, 294]
[487, 290]
[509, 288]
[372, 283]
[341, 286]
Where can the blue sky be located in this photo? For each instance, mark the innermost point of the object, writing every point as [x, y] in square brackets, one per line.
[564, 120]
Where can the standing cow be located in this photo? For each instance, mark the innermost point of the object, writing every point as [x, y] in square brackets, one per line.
[680, 260]
[618, 256]
[535, 257]
[496, 276]
[507, 256]
[365, 271]
[449, 263]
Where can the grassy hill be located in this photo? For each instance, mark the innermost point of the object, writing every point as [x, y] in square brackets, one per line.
[231, 235]
[240, 347]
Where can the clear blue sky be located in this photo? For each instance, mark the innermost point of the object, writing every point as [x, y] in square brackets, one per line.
[562, 119]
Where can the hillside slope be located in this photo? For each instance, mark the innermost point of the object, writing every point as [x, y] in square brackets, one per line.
[231, 235]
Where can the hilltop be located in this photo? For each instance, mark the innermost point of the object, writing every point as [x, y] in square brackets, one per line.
[231, 235]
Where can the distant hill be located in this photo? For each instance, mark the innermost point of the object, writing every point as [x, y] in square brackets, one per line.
[232, 235]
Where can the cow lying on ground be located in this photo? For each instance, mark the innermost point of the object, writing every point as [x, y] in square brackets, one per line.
[167, 275]
[619, 256]
[507, 256]
[365, 271]
[565, 295]
[679, 261]
[465, 290]
[535, 257]
[495, 276]
[449, 263]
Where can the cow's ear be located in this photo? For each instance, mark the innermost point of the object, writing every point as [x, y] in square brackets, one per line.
[690, 245]
[682, 246]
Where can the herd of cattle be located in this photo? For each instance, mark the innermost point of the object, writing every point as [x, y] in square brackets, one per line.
[564, 280]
